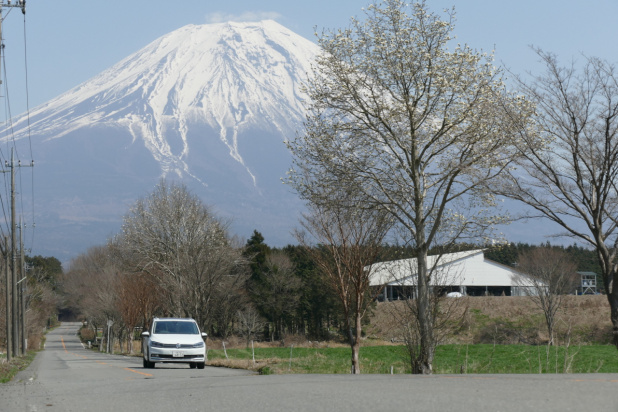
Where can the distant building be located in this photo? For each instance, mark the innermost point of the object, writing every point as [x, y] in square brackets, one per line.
[468, 273]
[588, 284]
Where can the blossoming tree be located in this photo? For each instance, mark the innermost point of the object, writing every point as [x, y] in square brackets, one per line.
[414, 126]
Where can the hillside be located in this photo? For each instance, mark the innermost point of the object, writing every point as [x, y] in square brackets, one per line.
[208, 105]
[509, 319]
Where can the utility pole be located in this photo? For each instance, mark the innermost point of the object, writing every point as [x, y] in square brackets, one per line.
[22, 292]
[14, 260]
[15, 312]
[9, 329]
[12, 335]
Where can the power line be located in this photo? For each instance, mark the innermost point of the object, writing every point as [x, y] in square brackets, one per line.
[13, 312]
[28, 127]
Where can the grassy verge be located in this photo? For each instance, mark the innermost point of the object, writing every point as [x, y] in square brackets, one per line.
[449, 359]
[9, 369]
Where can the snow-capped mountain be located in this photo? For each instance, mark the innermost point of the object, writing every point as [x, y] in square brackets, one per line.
[208, 104]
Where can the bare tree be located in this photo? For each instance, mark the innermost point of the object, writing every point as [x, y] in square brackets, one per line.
[349, 241]
[138, 297]
[547, 274]
[90, 286]
[175, 238]
[249, 323]
[415, 126]
[572, 178]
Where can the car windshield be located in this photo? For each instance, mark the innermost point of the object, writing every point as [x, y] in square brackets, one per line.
[169, 327]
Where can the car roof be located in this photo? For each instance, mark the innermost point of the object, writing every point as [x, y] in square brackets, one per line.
[176, 319]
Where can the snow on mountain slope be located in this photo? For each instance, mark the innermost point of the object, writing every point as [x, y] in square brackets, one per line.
[208, 104]
[231, 76]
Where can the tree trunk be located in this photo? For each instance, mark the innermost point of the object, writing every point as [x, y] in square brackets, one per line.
[550, 330]
[612, 297]
[130, 341]
[610, 281]
[549, 319]
[425, 318]
[355, 344]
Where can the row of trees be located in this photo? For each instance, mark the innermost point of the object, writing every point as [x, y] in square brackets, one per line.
[319, 291]
[252, 290]
[404, 124]
[173, 257]
[42, 297]
[256, 291]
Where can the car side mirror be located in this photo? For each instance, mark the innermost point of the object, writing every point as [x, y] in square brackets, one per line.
[204, 334]
[145, 334]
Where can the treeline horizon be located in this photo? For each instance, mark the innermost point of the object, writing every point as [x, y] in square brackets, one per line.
[282, 293]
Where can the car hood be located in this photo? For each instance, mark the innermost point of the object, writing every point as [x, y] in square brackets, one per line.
[170, 339]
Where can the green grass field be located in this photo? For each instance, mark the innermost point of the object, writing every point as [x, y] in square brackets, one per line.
[449, 359]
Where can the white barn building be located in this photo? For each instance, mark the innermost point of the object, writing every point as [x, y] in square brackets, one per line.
[468, 273]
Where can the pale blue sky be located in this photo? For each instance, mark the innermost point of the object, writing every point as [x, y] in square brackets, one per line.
[70, 41]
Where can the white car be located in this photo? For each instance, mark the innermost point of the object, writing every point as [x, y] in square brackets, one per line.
[174, 340]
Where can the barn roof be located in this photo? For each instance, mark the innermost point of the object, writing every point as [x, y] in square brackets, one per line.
[468, 268]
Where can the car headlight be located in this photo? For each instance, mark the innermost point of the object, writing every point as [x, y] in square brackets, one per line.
[156, 344]
[199, 345]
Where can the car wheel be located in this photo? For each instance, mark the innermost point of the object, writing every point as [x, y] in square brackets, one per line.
[201, 365]
[148, 364]
[193, 365]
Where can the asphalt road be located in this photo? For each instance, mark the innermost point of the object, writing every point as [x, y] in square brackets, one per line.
[67, 377]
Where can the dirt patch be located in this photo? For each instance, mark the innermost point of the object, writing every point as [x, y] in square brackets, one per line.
[582, 320]
[508, 319]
